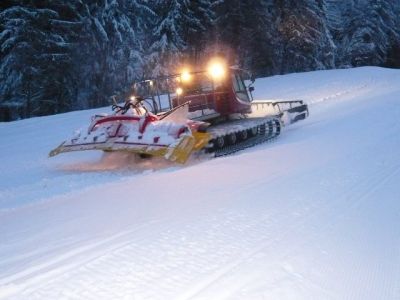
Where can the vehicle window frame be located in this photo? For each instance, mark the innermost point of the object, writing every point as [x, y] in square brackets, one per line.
[240, 88]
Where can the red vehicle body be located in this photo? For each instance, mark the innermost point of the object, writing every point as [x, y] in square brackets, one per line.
[208, 98]
[228, 96]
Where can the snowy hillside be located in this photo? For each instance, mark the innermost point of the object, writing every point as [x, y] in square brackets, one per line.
[315, 214]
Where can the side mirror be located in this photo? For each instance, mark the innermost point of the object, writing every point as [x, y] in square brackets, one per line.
[251, 90]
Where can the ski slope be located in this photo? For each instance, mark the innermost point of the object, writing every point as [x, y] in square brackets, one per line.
[315, 214]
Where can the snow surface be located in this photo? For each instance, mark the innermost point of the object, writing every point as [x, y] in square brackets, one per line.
[315, 214]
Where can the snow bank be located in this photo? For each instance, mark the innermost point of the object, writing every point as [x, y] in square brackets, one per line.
[312, 215]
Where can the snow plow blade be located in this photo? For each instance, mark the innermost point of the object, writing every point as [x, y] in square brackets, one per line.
[177, 152]
[171, 136]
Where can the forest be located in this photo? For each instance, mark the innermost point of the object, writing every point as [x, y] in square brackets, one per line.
[62, 55]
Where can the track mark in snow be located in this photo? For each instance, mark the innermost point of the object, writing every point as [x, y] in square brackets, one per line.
[32, 277]
[211, 285]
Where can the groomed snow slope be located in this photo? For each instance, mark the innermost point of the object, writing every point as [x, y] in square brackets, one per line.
[314, 214]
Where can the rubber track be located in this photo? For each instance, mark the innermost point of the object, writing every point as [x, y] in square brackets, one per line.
[251, 142]
[273, 125]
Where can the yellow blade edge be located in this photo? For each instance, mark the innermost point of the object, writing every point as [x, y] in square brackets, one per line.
[57, 150]
[181, 151]
[109, 147]
[201, 140]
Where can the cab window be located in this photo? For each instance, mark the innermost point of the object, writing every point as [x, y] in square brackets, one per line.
[240, 88]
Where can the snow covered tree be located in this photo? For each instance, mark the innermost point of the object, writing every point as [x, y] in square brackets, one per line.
[275, 36]
[60, 55]
[198, 32]
[180, 34]
[365, 32]
[230, 25]
[393, 52]
[110, 49]
[305, 39]
[141, 16]
[167, 38]
[260, 33]
[33, 54]
[370, 30]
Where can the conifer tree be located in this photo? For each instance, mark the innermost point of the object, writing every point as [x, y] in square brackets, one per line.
[33, 53]
[305, 39]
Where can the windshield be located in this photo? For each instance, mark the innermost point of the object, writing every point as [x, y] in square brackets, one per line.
[240, 88]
